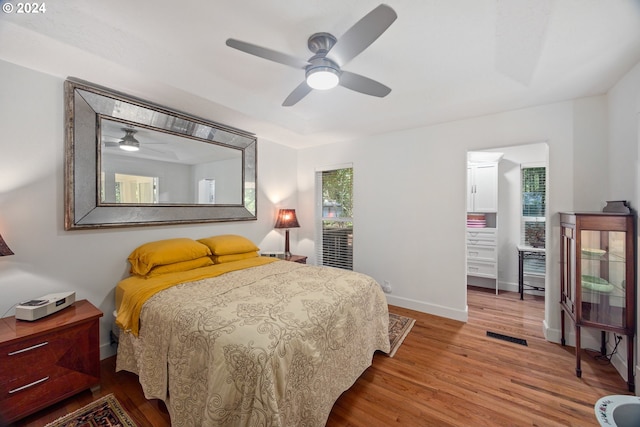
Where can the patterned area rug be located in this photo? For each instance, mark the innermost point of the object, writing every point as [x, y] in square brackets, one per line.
[399, 327]
[104, 412]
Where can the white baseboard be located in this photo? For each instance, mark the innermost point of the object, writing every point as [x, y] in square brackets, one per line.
[508, 286]
[107, 350]
[436, 310]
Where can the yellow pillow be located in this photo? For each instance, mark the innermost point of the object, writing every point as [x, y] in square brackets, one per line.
[229, 244]
[180, 266]
[219, 259]
[163, 252]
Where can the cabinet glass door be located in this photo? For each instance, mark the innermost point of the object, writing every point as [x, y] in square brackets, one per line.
[603, 273]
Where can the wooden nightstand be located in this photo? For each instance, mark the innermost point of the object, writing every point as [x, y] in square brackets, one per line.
[48, 360]
[297, 258]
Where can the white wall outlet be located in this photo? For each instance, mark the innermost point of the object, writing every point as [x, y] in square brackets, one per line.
[386, 287]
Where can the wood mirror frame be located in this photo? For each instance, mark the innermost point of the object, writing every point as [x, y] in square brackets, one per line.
[86, 105]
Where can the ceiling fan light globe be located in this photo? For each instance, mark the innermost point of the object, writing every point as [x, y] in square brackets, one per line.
[323, 78]
[126, 147]
[129, 142]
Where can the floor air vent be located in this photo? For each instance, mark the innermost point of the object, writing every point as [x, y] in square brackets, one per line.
[507, 338]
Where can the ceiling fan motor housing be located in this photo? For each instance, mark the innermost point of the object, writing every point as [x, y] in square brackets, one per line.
[321, 43]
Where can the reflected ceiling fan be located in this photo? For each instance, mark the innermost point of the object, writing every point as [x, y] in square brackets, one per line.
[128, 142]
[323, 70]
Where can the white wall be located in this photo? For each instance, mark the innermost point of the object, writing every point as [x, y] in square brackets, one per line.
[227, 175]
[49, 259]
[409, 201]
[624, 165]
[591, 166]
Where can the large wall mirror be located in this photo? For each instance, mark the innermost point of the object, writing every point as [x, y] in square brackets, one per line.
[131, 163]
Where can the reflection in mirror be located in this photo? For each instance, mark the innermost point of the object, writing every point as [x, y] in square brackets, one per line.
[143, 166]
[130, 163]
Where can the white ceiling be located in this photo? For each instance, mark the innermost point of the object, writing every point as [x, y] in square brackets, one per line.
[443, 59]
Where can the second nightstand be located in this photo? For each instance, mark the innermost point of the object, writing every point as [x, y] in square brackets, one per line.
[297, 258]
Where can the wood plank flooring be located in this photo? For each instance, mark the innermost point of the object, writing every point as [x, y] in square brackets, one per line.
[446, 373]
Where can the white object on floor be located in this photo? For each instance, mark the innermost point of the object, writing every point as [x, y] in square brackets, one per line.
[618, 411]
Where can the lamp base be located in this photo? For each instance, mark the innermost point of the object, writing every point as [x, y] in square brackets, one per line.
[287, 252]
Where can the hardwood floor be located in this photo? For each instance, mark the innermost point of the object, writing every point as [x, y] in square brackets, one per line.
[446, 373]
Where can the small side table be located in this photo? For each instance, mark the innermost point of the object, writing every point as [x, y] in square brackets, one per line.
[523, 253]
[300, 259]
[47, 360]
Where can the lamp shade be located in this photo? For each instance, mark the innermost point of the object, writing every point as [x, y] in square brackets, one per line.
[4, 249]
[287, 219]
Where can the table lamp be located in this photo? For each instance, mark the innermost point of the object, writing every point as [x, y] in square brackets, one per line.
[287, 219]
[4, 249]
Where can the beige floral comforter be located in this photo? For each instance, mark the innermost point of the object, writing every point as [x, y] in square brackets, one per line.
[273, 345]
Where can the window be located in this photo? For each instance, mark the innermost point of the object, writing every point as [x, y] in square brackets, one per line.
[334, 231]
[533, 220]
[136, 189]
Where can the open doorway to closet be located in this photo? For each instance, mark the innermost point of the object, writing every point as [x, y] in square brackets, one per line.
[516, 223]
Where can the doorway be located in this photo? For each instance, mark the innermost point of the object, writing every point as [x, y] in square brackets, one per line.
[513, 222]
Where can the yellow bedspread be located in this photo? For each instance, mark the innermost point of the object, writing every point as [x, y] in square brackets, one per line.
[134, 291]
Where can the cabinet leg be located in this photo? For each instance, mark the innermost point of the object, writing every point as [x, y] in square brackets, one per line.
[631, 383]
[520, 274]
[603, 343]
[562, 341]
[578, 367]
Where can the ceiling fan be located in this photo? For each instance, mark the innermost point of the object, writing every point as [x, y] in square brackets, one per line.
[128, 142]
[323, 70]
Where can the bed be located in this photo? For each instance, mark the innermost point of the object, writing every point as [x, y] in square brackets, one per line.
[228, 338]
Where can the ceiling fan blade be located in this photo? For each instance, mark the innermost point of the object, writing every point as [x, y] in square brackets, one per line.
[298, 93]
[362, 34]
[363, 84]
[265, 53]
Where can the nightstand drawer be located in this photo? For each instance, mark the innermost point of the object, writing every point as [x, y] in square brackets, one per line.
[17, 359]
[38, 393]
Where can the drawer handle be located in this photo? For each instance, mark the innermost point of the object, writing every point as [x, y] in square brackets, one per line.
[474, 253]
[473, 268]
[33, 347]
[15, 390]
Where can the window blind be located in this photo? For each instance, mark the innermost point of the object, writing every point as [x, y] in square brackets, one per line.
[533, 215]
[534, 205]
[334, 218]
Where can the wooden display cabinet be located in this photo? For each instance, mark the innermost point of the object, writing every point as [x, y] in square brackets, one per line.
[598, 277]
